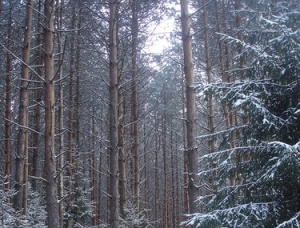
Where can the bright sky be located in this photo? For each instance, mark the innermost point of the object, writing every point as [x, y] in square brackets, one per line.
[160, 36]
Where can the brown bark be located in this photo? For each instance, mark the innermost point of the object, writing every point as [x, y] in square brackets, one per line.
[121, 152]
[71, 130]
[8, 105]
[166, 216]
[113, 116]
[210, 105]
[134, 107]
[50, 162]
[93, 171]
[190, 101]
[20, 199]
[156, 180]
[61, 158]
[173, 173]
[37, 108]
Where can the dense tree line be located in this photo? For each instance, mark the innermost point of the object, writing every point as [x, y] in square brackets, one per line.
[98, 130]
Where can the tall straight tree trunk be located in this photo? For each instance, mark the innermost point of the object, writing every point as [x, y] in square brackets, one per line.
[134, 105]
[220, 43]
[173, 173]
[71, 130]
[166, 195]
[210, 105]
[113, 116]
[8, 103]
[93, 171]
[37, 108]
[50, 162]
[185, 152]
[77, 95]
[146, 173]
[156, 171]
[191, 105]
[121, 152]
[20, 200]
[61, 158]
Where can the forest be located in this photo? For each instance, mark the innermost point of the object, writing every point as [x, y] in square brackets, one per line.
[150, 113]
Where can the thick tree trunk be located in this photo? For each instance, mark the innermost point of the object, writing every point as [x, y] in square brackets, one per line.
[50, 162]
[190, 99]
[70, 135]
[37, 108]
[20, 200]
[121, 152]
[210, 104]
[134, 106]
[113, 116]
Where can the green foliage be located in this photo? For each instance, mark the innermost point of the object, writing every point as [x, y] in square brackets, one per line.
[256, 182]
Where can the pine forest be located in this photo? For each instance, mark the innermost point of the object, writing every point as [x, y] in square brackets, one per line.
[150, 113]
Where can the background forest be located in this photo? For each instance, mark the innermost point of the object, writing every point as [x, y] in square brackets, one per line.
[103, 127]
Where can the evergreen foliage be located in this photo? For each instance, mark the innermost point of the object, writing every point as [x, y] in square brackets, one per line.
[256, 182]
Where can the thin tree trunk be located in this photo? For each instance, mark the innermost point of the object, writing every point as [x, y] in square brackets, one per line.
[113, 115]
[134, 107]
[174, 206]
[190, 99]
[50, 166]
[220, 43]
[61, 159]
[8, 104]
[185, 152]
[166, 195]
[156, 171]
[77, 97]
[93, 171]
[20, 200]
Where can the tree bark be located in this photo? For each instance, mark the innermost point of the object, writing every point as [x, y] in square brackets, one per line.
[61, 158]
[210, 104]
[37, 108]
[20, 200]
[121, 152]
[113, 115]
[50, 162]
[8, 104]
[166, 216]
[134, 107]
[190, 101]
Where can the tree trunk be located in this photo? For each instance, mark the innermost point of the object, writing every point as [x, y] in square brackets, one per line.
[93, 171]
[61, 158]
[185, 152]
[166, 195]
[113, 116]
[156, 171]
[8, 105]
[190, 99]
[210, 105]
[70, 151]
[134, 107]
[37, 108]
[121, 152]
[20, 200]
[50, 162]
